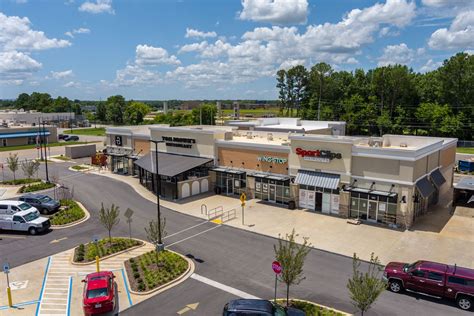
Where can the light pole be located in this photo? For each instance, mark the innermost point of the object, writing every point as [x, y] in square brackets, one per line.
[45, 152]
[159, 246]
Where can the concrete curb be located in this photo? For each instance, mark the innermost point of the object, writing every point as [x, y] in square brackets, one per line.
[183, 277]
[106, 257]
[84, 170]
[57, 185]
[316, 304]
[79, 221]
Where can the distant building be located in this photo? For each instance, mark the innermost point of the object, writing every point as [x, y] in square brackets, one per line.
[18, 118]
[27, 135]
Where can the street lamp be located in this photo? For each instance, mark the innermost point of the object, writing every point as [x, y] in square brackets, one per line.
[159, 246]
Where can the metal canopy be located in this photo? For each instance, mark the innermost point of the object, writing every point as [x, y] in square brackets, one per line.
[170, 165]
[24, 134]
[466, 183]
[437, 178]
[318, 179]
[425, 187]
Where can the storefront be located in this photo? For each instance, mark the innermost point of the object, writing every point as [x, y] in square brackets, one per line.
[272, 188]
[318, 191]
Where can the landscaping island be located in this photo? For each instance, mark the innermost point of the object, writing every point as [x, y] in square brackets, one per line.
[36, 187]
[70, 212]
[86, 253]
[311, 309]
[148, 271]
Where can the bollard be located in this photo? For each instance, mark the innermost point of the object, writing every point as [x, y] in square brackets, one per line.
[97, 263]
[9, 294]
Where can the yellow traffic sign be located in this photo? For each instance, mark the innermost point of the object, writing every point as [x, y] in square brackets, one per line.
[243, 197]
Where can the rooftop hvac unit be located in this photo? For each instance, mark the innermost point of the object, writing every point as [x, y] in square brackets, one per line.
[403, 145]
[377, 143]
[269, 136]
[249, 135]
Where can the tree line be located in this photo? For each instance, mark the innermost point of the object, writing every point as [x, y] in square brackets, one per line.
[390, 99]
[43, 102]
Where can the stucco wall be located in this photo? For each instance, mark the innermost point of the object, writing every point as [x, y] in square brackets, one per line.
[126, 140]
[447, 156]
[142, 146]
[234, 157]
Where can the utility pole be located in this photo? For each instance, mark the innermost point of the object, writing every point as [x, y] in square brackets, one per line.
[319, 102]
[159, 246]
[38, 140]
[45, 153]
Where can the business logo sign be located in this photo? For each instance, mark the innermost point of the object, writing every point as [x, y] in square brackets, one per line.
[179, 142]
[118, 140]
[277, 160]
[318, 155]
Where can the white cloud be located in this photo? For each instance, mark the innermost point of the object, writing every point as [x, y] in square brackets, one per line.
[198, 34]
[149, 55]
[71, 84]
[459, 36]
[397, 54]
[99, 6]
[16, 66]
[61, 74]
[21, 1]
[81, 30]
[275, 11]
[133, 75]
[446, 3]
[430, 65]
[16, 34]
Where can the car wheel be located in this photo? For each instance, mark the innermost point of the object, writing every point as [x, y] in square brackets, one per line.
[464, 302]
[44, 211]
[395, 286]
[32, 231]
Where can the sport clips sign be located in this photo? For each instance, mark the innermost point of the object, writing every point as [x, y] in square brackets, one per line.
[318, 155]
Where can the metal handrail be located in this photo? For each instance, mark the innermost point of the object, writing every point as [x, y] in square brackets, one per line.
[215, 212]
[229, 215]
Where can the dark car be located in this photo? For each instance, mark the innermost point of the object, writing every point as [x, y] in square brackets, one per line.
[258, 308]
[61, 136]
[43, 203]
[437, 279]
[70, 138]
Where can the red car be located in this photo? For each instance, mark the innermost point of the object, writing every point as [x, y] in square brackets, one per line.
[99, 293]
[437, 279]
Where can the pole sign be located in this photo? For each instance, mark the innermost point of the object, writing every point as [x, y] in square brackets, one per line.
[6, 268]
[276, 266]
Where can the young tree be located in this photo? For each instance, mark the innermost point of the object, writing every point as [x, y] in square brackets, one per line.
[115, 109]
[135, 112]
[366, 287]
[153, 233]
[109, 217]
[30, 167]
[12, 163]
[291, 256]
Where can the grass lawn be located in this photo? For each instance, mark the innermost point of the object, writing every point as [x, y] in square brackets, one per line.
[36, 187]
[79, 167]
[20, 181]
[146, 273]
[87, 252]
[99, 131]
[310, 309]
[71, 213]
[64, 158]
[58, 144]
[465, 150]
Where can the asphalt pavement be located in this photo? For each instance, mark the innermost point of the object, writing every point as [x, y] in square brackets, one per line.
[240, 261]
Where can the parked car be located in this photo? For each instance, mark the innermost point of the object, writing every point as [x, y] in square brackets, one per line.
[437, 279]
[10, 207]
[61, 136]
[99, 293]
[43, 203]
[242, 307]
[70, 138]
[27, 221]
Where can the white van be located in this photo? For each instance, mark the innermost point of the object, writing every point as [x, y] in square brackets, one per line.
[10, 207]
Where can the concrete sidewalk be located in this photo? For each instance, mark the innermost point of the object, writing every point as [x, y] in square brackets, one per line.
[438, 236]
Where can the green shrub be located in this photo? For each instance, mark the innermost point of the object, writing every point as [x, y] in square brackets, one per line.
[104, 248]
[78, 167]
[136, 275]
[72, 213]
[20, 181]
[36, 187]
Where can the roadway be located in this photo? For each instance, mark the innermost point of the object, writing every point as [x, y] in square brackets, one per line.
[237, 261]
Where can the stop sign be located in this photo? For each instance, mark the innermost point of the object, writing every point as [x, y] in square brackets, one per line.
[276, 266]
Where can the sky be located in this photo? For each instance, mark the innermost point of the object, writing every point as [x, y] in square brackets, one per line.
[214, 49]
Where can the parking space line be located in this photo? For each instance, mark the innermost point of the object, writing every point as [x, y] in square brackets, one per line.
[69, 297]
[19, 304]
[43, 286]
[223, 287]
[195, 235]
[126, 289]
[183, 230]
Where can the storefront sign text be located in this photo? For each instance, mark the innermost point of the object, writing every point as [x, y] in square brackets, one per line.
[318, 155]
[270, 159]
[179, 142]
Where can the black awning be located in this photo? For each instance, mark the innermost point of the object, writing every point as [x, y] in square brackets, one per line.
[318, 179]
[437, 178]
[425, 187]
[228, 170]
[170, 165]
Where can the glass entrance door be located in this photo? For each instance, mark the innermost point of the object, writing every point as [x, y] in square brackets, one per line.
[372, 216]
[230, 186]
[272, 193]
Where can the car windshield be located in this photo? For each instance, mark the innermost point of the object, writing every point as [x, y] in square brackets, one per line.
[97, 293]
[45, 199]
[408, 267]
[279, 311]
[24, 206]
[31, 216]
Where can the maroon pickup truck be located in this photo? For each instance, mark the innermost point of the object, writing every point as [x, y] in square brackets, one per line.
[433, 278]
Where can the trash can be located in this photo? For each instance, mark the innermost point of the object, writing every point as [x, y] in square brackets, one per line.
[291, 205]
